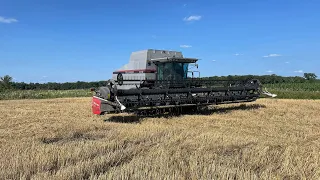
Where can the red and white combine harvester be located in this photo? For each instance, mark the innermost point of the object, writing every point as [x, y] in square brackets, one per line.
[160, 81]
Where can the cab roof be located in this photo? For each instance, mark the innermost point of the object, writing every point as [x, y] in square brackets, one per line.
[174, 59]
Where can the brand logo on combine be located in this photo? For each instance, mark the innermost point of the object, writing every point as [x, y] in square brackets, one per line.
[95, 104]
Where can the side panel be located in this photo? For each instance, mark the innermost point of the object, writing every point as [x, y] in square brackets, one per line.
[96, 105]
[100, 108]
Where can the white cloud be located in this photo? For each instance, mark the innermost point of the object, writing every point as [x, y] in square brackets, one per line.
[7, 20]
[192, 18]
[287, 62]
[237, 54]
[269, 71]
[272, 55]
[185, 46]
[214, 60]
[299, 71]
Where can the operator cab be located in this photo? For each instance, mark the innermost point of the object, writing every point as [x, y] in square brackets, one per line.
[174, 69]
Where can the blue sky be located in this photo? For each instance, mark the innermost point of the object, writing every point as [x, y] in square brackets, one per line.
[58, 40]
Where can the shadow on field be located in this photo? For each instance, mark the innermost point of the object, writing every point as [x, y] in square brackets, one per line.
[220, 110]
[201, 111]
[74, 136]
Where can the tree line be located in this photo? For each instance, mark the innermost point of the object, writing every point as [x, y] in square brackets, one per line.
[6, 82]
[270, 79]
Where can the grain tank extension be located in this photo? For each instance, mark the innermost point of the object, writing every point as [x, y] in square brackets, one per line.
[160, 81]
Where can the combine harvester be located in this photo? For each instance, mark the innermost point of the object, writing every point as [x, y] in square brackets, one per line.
[160, 81]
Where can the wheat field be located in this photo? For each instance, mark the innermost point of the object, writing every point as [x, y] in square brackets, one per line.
[61, 139]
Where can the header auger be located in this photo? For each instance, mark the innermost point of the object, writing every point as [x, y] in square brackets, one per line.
[158, 81]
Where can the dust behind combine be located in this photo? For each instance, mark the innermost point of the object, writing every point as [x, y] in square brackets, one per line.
[61, 139]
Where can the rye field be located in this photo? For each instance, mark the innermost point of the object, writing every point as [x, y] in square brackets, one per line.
[62, 139]
[43, 94]
[295, 90]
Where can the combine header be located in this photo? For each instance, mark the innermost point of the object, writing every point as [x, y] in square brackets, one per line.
[159, 81]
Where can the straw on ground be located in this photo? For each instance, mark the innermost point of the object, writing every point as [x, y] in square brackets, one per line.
[61, 139]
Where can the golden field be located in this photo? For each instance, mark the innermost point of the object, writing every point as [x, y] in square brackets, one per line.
[61, 139]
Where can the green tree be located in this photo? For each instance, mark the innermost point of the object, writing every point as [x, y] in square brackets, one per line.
[6, 82]
[310, 76]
